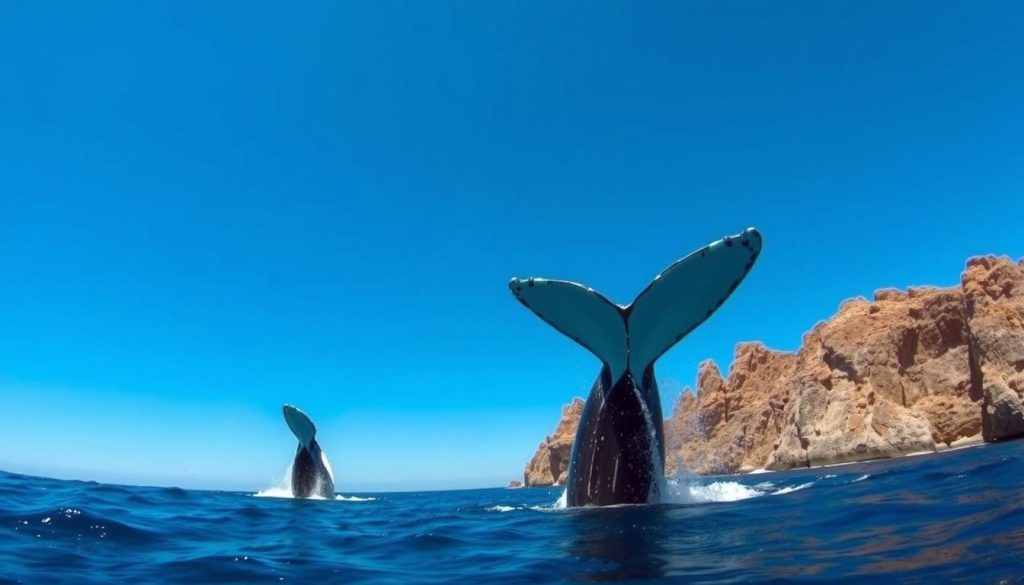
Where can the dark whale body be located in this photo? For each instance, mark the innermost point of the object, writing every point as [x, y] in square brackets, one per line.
[618, 454]
[311, 471]
[611, 462]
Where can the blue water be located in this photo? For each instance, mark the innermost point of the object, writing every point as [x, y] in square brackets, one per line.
[953, 517]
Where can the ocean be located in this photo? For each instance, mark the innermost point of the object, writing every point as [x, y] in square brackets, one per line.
[951, 517]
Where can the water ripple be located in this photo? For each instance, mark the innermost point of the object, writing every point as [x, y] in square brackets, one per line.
[949, 517]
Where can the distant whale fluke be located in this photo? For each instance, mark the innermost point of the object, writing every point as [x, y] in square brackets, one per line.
[311, 471]
[619, 450]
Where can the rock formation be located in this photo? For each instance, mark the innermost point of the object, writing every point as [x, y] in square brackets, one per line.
[731, 424]
[550, 464]
[994, 305]
[907, 372]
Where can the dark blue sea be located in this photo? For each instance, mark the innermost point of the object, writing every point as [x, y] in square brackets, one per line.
[951, 517]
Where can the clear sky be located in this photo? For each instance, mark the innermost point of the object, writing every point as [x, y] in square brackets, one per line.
[211, 208]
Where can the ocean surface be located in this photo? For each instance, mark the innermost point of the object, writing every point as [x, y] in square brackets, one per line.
[951, 517]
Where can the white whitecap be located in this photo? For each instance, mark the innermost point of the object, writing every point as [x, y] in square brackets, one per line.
[789, 490]
[342, 498]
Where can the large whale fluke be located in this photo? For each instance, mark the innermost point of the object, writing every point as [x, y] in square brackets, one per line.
[619, 451]
[311, 471]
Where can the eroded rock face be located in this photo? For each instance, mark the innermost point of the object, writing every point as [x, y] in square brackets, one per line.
[994, 301]
[550, 464]
[907, 372]
[730, 424]
[881, 379]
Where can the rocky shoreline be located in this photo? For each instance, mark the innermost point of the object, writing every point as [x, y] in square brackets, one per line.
[908, 372]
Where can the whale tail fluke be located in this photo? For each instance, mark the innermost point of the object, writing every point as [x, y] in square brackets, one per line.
[581, 313]
[632, 337]
[301, 425]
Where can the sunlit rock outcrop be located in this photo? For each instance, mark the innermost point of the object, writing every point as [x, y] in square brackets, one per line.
[994, 301]
[910, 371]
[550, 464]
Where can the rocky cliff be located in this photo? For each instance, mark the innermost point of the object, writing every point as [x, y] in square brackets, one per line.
[907, 372]
[550, 463]
[994, 307]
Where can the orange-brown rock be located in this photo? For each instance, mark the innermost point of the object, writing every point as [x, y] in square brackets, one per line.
[874, 362]
[910, 371]
[994, 291]
[732, 423]
[550, 464]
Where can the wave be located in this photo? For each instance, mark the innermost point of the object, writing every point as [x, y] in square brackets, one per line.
[951, 519]
[342, 498]
[789, 490]
[75, 523]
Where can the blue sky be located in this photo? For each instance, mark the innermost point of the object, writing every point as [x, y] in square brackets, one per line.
[209, 209]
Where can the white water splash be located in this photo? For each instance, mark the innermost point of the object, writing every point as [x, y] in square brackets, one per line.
[685, 489]
[688, 488]
[283, 489]
[563, 501]
[861, 478]
[274, 492]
